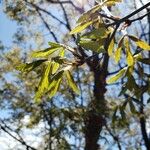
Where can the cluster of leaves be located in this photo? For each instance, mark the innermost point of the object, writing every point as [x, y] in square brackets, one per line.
[92, 34]
[55, 67]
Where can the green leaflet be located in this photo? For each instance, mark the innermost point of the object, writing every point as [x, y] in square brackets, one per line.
[96, 46]
[45, 53]
[129, 57]
[30, 66]
[139, 43]
[55, 88]
[111, 47]
[96, 34]
[57, 61]
[111, 2]
[117, 76]
[55, 83]
[48, 51]
[137, 56]
[54, 45]
[118, 50]
[81, 27]
[131, 83]
[93, 40]
[85, 17]
[71, 82]
[44, 82]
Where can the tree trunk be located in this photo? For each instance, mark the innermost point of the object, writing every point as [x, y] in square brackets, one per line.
[95, 118]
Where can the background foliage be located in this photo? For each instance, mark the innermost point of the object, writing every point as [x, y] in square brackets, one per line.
[88, 87]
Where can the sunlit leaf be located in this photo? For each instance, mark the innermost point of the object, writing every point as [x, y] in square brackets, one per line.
[130, 59]
[81, 27]
[96, 34]
[96, 46]
[44, 82]
[117, 76]
[54, 45]
[117, 54]
[87, 15]
[111, 2]
[46, 52]
[27, 67]
[55, 83]
[57, 62]
[71, 82]
[111, 47]
[140, 43]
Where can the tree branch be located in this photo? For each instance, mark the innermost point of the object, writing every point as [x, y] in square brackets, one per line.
[129, 16]
[19, 140]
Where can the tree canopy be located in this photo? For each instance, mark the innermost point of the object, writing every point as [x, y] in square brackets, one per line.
[89, 88]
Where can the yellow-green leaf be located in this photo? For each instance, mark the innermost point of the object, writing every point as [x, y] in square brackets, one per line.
[44, 53]
[96, 34]
[44, 82]
[111, 2]
[130, 59]
[111, 47]
[116, 76]
[87, 15]
[140, 43]
[55, 88]
[71, 82]
[55, 65]
[55, 83]
[27, 67]
[81, 27]
[95, 46]
[118, 50]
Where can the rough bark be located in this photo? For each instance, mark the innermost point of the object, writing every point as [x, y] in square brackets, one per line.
[95, 119]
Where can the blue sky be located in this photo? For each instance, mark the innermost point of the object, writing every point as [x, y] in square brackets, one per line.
[7, 27]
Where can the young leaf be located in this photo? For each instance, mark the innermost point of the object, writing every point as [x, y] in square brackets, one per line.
[55, 83]
[117, 76]
[81, 27]
[30, 66]
[96, 34]
[118, 50]
[55, 65]
[111, 2]
[111, 47]
[55, 88]
[130, 59]
[54, 45]
[71, 82]
[140, 43]
[95, 46]
[48, 51]
[44, 82]
[45, 53]
[87, 15]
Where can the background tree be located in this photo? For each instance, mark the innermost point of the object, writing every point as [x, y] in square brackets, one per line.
[83, 121]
